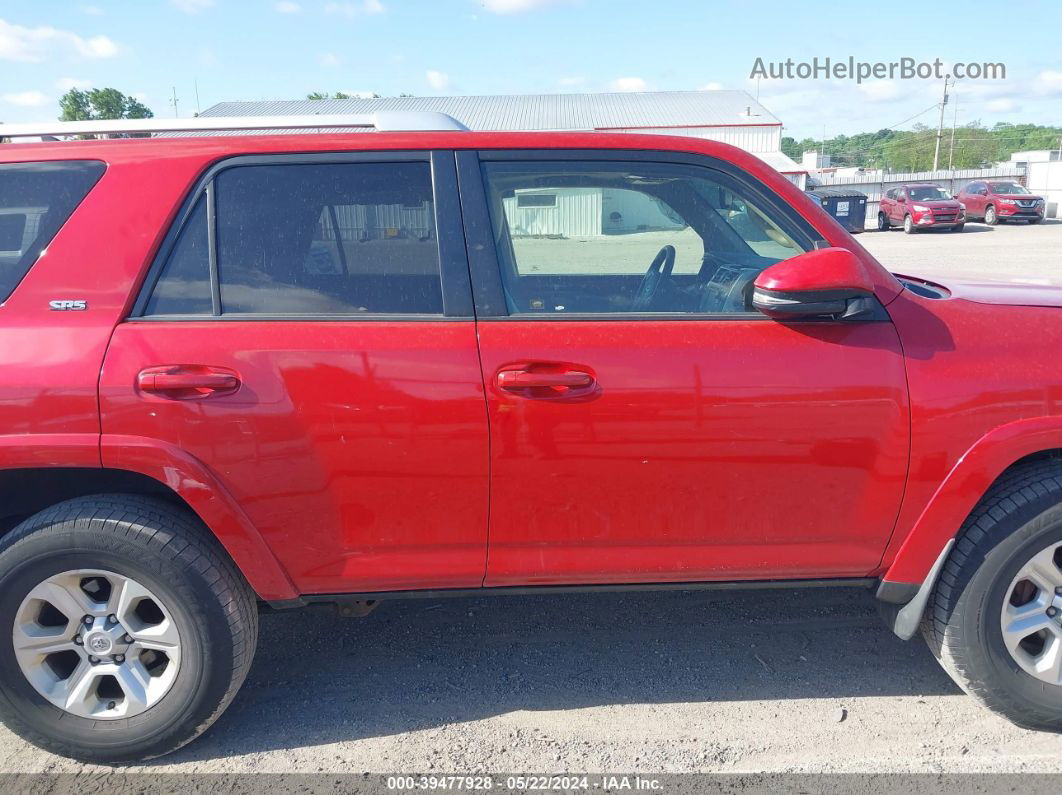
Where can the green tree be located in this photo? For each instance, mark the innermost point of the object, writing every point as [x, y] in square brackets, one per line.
[336, 95]
[100, 103]
[74, 105]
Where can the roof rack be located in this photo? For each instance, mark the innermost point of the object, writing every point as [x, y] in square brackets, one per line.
[382, 121]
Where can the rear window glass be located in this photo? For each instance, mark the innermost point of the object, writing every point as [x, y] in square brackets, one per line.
[35, 201]
[184, 286]
[342, 238]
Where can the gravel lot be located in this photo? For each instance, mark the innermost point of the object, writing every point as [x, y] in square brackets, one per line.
[802, 680]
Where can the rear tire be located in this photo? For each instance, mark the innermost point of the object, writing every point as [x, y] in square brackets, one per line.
[883, 223]
[967, 624]
[164, 551]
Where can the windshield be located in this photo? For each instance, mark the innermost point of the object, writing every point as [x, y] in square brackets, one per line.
[927, 193]
[1006, 187]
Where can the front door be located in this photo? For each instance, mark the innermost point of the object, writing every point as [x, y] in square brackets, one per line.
[646, 424]
[308, 335]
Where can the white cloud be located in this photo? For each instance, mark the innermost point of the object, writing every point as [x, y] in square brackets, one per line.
[329, 59]
[192, 6]
[31, 45]
[440, 81]
[67, 83]
[713, 86]
[629, 84]
[880, 91]
[354, 9]
[287, 7]
[1004, 105]
[1048, 83]
[28, 99]
[571, 80]
[516, 6]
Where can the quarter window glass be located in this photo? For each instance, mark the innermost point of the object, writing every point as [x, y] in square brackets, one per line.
[35, 201]
[183, 287]
[345, 238]
[612, 238]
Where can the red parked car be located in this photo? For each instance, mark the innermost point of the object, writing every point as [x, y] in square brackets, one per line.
[918, 207]
[291, 369]
[1001, 200]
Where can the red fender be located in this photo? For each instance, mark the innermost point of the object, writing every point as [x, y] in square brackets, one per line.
[964, 486]
[189, 478]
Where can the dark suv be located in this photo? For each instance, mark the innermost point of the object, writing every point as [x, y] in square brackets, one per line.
[259, 372]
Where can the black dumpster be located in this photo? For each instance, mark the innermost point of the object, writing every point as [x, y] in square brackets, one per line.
[848, 206]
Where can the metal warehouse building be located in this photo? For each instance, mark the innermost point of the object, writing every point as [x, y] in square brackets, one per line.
[732, 117]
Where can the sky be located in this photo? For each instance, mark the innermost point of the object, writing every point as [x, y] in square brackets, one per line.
[209, 51]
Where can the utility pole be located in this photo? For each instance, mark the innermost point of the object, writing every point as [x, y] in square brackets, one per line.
[940, 127]
[173, 100]
[196, 84]
[954, 121]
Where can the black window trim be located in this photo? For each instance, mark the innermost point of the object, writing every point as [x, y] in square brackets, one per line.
[454, 274]
[486, 269]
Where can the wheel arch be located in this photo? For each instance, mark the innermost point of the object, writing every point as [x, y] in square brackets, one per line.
[142, 466]
[910, 576]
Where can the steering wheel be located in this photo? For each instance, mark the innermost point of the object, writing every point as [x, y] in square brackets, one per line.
[658, 272]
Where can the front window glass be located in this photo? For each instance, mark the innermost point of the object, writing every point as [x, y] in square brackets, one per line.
[1007, 187]
[927, 193]
[619, 238]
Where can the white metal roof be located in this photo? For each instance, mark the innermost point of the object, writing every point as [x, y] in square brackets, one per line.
[541, 111]
[780, 161]
[383, 121]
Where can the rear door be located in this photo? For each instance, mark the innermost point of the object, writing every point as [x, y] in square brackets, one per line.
[308, 334]
[646, 424]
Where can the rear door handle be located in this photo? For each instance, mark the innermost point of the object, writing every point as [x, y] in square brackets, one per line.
[187, 382]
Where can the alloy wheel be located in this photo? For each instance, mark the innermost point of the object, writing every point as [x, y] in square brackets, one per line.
[97, 644]
[1032, 616]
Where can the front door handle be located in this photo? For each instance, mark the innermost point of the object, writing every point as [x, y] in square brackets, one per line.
[187, 382]
[551, 381]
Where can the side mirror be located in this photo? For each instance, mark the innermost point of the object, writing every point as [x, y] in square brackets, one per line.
[826, 283]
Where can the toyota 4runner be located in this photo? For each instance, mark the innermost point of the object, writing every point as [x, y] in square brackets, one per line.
[264, 371]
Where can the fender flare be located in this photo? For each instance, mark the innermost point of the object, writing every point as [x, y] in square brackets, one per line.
[208, 498]
[912, 574]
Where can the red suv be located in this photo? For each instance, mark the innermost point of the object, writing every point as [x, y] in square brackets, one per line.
[918, 207]
[290, 369]
[1001, 200]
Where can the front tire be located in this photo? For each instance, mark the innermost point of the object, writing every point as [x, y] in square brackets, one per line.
[990, 216]
[165, 639]
[908, 225]
[995, 618]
